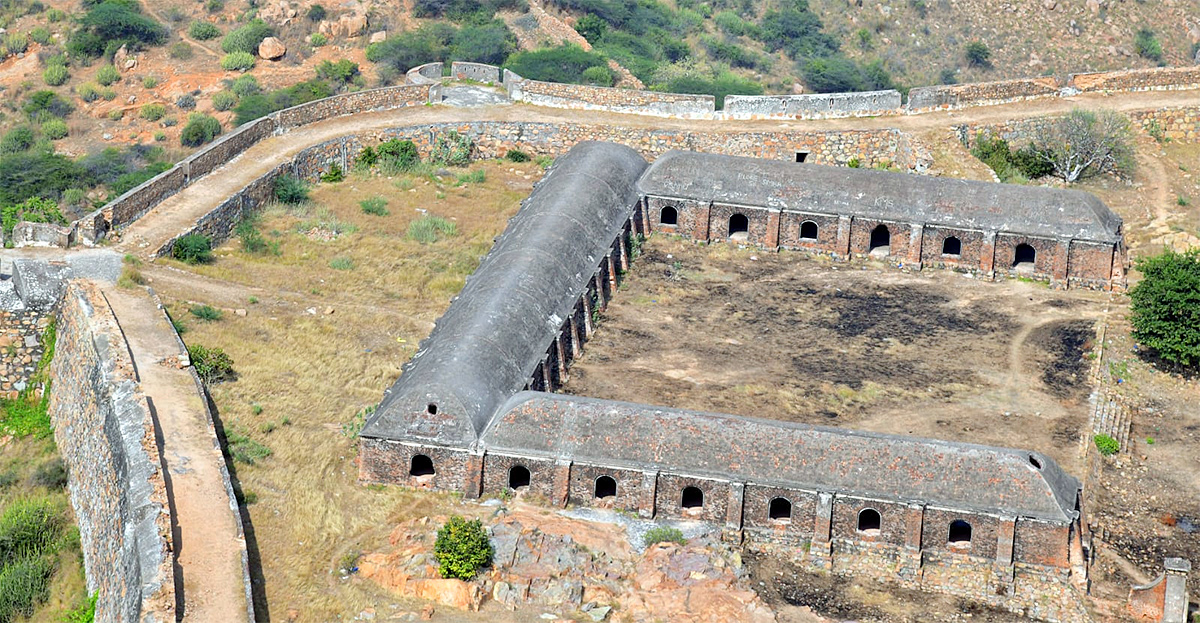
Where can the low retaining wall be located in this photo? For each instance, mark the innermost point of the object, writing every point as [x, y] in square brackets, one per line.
[429, 73]
[1153, 79]
[814, 106]
[27, 234]
[104, 430]
[558, 95]
[474, 71]
[948, 97]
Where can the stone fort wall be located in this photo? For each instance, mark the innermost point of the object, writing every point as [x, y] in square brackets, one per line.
[103, 428]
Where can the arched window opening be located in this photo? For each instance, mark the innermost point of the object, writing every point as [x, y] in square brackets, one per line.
[692, 497]
[808, 230]
[869, 519]
[951, 246]
[668, 216]
[739, 227]
[881, 239]
[1024, 256]
[606, 487]
[518, 477]
[421, 466]
[780, 510]
[960, 532]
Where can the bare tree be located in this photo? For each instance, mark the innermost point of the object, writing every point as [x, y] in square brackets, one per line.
[1087, 143]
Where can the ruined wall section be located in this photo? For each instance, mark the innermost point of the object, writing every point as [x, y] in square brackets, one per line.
[954, 96]
[1152, 79]
[587, 97]
[104, 430]
[21, 345]
[812, 106]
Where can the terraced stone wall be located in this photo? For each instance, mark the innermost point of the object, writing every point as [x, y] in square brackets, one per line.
[952, 96]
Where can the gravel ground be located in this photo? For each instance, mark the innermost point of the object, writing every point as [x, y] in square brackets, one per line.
[635, 528]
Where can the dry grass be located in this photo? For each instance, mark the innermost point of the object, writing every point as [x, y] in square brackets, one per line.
[316, 370]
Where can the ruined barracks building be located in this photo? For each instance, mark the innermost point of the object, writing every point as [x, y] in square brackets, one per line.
[473, 410]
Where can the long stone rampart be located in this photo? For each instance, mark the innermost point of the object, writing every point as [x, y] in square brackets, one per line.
[953, 96]
[106, 435]
[587, 97]
[1152, 79]
[812, 106]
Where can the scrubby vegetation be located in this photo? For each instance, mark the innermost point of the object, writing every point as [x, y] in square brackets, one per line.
[193, 249]
[462, 548]
[111, 24]
[663, 534]
[211, 364]
[1166, 306]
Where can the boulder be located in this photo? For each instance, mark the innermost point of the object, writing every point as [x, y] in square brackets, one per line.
[453, 593]
[351, 25]
[378, 37]
[271, 49]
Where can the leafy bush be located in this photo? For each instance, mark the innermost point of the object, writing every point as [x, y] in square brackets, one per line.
[1010, 166]
[562, 64]
[56, 75]
[334, 175]
[111, 24]
[290, 189]
[720, 85]
[1087, 143]
[37, 174]
[199, 130]
[599, 76]
[317, 40]
[224, 100]
[193, 249]
[491, 42]
[245, 86]
[978, 54]
[409, 49]
[88, 91]
[398, 155]
[55, 129]
[17, 140]
[797, 31]
[429, 229]
[1106, 445]
[663, 534]
[40, 34]
[838, 74]
[462, 548]
[16, 43]
[238, 61]
[180, 51]
[43, 104]
[341, 72]
[246, 38]
[32, 210]
[1147, 45]
[253, 106]
[516, 155]
[203, 31]
[153, 112]
[211, 364]
[591, 27]
[1166, 306]
[376, 206]
[451, 148]
[107, 75]
[366, 159]
[316, 13]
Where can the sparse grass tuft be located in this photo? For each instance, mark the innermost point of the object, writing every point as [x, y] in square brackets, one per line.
[206, 313]
[376, 206]
[663, 534]
[429, 229]
[341, 263]
[243, 449]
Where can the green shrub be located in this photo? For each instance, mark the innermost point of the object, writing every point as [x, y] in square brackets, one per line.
[215, 6]
[663, 534]
[838, 74]
[17, 140]
[451, 148]
[409, 49]
[16, 43]
[85, 612]
[591, 27]
[187, 101]
[109, 25]
[724, 83]
[516, 155]
[1010, 166]
[238, 61]
[478, 176]
[398, 155]
[206, 313]
[1106, 445]
[252, 239]
[376, 206]
[203, 31]
[334, 175]
[180, 51]
[108, 94]
[56, 75]
[28, 526]
[253, 106]
[212, 364]
[599, 76]
[243, 449]
[1147, 45]
[107, 75]
[317, 40]
[429, 229]
[245, 86]
[978, 54]
[55, 15]
[562, 64]
[116, 114]
[462, 548]
[153, 112]
[149, 82]
[199, 130]
[41, 105]
[88, 91]
[224, 100]
[193, 249]
[32, 210]
[365, 159]
[341, 72]
[246, 38]
[290, 189]
[24, 584]
[341, 263]
[54, 129]
[1166, 306]
[73, 196]
[315, 13]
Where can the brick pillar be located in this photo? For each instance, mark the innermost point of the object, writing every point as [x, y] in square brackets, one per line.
[561, 355]
[601, 300]
[845, 223]
[702, 224]
[586, 301]
[1117, 279]
[561, 493]
[1006, 535]
[576, 346]
[473, 487]
[987, 255]
[612, 273]
[547, 376]
[648, 495]
[623, 251]
[914, 525]
[733, 513]
[1061, 264]
[1175, 603]
[915, 238]
[773, 225]
[820, 551]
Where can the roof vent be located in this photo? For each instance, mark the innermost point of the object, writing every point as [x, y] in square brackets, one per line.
[1034, 462]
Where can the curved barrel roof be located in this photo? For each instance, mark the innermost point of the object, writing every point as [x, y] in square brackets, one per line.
[491, 339]
[776, 184]
[890, 467]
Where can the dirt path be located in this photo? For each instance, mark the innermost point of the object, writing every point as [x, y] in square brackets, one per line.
[207, 546]
[179, 212]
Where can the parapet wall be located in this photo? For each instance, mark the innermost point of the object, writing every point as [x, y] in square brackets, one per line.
[586, 97]
[429, 73]
[945, 97]
[477, 72]
[813, 106]
[106, 436]
[1153, 79]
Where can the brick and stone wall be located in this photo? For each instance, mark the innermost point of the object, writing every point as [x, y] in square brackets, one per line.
[391, 462]
[20, 347]
[429, 73]
[812, 106]
[560, 95]
[105, 433]
[1181, 124]
[477, 72]
[1152, 79]
[951, 96]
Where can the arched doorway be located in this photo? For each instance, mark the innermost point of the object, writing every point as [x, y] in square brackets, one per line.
[421, 466]
[1024, 257]
[739, 227]
[518, 477]
[951, 246]
[668, 216]
[881, 240]
[808, 230]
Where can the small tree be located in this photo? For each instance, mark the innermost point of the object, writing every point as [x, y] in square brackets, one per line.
[1147, 45]
[462, 548]
[193, 249]
[978, 54]
[1166, 306]
[1086, 144]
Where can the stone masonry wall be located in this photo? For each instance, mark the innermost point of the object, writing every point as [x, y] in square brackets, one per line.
[478, 72]
[812, 106]
[1152, 79]
[429, 73]
[946, 97]
[106, 436]
[27, 234]
[20, 348]
[559, 95]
